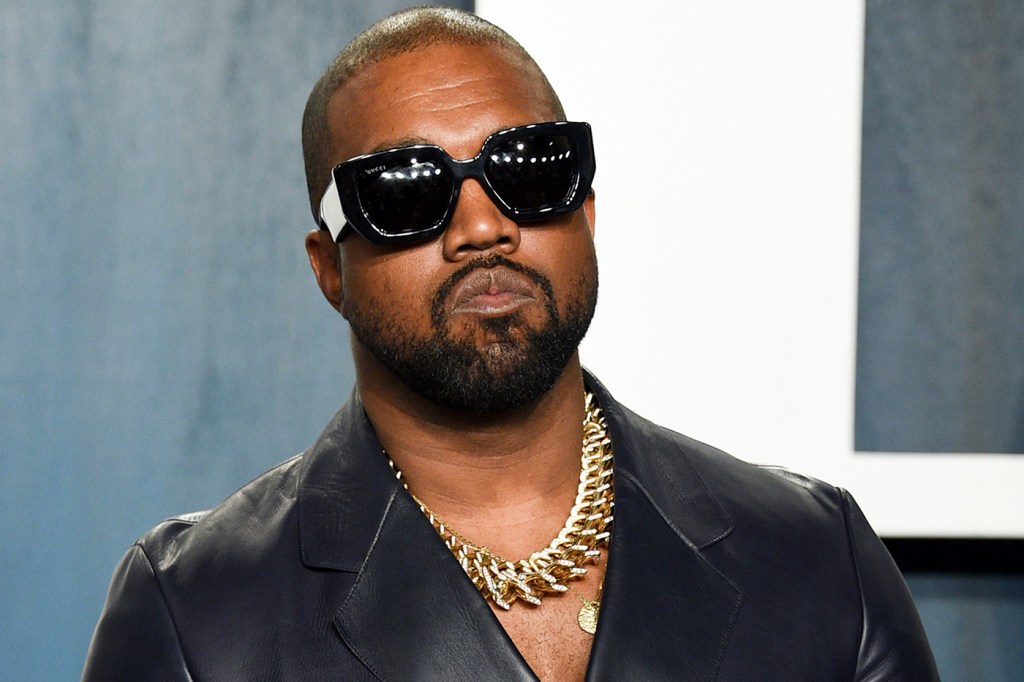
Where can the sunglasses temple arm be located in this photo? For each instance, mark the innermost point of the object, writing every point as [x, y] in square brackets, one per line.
[331, 216]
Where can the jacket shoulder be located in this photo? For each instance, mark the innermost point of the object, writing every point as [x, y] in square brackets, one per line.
[791, 544]
[673, 465]
[245, 517]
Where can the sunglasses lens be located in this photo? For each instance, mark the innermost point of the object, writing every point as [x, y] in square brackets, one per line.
[405, 197]
[533, 173]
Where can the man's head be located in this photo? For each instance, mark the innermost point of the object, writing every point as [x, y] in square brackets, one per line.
[399, 33]
[486, 315]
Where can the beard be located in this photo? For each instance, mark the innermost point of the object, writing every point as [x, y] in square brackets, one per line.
[518, 365]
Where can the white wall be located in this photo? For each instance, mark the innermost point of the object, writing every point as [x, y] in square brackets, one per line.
[728, 148]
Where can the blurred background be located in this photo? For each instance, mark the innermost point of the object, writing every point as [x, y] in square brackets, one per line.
[162, 340]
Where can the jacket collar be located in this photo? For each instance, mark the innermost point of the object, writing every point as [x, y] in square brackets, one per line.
[665, 610]
[411, 609]
[411, 612]
[649, 454]
[345, 489]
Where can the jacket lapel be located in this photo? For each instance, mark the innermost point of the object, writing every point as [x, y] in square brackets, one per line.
[411, 612]
[666, 612]
[414, 615]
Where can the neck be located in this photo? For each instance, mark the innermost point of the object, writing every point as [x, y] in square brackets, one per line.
[521, 466]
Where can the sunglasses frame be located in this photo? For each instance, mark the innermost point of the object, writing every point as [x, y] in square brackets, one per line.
[341, 207]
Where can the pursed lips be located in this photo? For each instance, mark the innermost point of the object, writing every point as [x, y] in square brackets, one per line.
[492, 291]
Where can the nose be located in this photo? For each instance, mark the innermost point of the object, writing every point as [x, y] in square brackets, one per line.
[478, 225]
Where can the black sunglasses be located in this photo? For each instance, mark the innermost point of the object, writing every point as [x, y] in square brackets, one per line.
[407, 195]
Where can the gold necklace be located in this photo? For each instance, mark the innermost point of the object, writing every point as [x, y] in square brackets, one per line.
[586, 531]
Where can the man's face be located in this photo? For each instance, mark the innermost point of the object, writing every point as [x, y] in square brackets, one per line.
[486, 316]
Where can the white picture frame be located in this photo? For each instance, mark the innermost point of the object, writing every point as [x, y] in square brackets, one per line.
[728, 175]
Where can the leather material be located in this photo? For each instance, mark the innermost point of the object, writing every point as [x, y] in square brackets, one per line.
[325, 569]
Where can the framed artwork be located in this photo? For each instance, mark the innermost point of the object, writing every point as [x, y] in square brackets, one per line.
[729, 236]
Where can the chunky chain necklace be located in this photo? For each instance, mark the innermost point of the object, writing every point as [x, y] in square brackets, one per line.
[579, 542]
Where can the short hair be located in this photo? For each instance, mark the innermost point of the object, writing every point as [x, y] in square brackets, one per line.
[404, 31]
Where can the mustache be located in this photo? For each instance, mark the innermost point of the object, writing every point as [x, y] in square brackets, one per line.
[492, 260]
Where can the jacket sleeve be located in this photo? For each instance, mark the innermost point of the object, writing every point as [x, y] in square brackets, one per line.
[893, 645]
[136, 638]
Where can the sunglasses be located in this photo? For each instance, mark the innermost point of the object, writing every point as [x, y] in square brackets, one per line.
[408, 195]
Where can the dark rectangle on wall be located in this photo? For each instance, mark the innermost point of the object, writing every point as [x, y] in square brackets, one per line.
[940, 356]
[959, 555]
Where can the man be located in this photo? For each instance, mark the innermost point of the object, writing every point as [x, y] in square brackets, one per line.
[390, 549]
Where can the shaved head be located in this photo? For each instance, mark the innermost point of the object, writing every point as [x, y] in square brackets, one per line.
[399, 33]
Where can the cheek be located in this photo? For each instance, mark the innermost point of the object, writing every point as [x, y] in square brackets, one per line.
[567, 257]
[585, 276]
[387, 285]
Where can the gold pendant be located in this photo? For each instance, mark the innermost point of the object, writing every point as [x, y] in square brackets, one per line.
[587, 617]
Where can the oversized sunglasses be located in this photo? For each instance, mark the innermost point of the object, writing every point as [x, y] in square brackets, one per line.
[407, 195]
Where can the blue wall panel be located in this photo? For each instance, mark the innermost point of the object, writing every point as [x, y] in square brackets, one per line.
[162, 338]
[940, 362]
[975, 624]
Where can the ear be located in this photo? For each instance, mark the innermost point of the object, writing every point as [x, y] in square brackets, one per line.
[590, 211]
[326, 263]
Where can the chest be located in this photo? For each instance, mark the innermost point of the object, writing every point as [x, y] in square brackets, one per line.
[549, 636]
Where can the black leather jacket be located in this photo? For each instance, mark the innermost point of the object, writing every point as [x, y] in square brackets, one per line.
[325, 569]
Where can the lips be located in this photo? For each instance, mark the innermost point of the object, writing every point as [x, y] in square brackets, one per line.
[493, 291]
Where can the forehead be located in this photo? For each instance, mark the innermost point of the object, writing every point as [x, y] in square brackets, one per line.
[449, 95]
